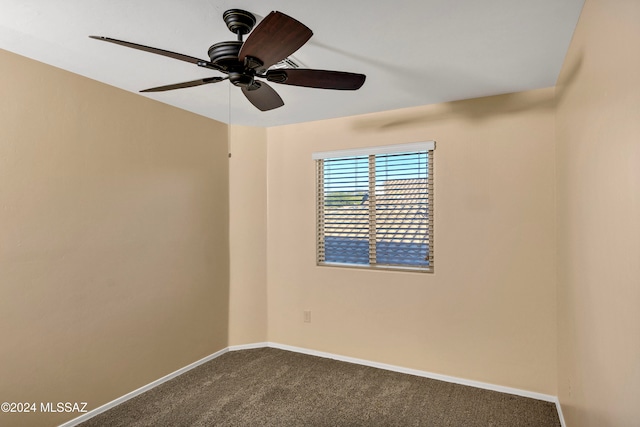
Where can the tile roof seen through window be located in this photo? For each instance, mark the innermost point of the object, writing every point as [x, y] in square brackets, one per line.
[401, 225]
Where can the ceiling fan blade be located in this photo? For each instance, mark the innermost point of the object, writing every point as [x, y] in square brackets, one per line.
[157, 51]
[276, 37]
[262, 96]
[321, 79]
[186, 84]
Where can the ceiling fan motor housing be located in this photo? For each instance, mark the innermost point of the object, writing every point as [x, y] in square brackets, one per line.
[225, 54]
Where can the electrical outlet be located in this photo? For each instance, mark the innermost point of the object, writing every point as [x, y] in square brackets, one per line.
[307, 316]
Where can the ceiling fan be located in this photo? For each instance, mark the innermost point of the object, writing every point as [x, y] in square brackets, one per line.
[244, 62]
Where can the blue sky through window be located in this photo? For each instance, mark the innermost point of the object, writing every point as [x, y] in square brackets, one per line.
[351, 174]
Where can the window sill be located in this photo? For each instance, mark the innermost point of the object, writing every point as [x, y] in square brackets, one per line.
[378, 267]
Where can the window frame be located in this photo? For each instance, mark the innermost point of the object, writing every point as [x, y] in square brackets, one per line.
[371, 153]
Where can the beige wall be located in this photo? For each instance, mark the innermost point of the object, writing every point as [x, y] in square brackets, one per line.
[598, 162]
[114, 239]
[248, 234]
[489, 311]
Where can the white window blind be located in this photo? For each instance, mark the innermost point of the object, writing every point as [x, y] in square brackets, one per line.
[375, 207]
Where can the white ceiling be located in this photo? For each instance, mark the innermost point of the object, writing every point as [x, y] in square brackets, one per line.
[413, 52]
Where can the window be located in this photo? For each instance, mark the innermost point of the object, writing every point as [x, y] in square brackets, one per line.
[375, 207]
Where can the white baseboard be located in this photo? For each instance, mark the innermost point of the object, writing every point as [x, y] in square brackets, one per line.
[560, 415]
[394, 368]
[84, 417]
[249, 346]
[416, 372]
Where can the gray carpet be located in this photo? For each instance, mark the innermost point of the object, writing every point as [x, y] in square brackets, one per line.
[269, 387]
